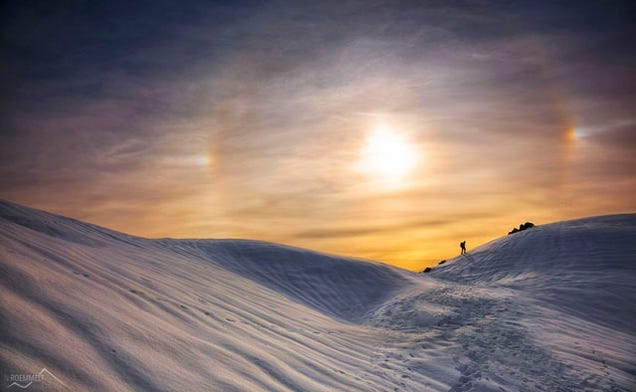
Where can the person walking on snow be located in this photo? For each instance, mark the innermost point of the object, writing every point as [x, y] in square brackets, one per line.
[463, 246]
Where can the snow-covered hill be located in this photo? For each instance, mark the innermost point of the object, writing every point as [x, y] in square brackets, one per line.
[576, 283]
[336, 286]
[105, 311]
[585, 267]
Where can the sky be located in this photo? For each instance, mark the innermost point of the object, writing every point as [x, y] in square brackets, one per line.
[381, 130]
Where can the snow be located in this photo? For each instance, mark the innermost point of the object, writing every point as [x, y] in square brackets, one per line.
[585, 267]
[550, 308]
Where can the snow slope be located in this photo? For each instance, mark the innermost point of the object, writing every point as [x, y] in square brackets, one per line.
[336, 286]
[574, 286]
[106, 311]
[585, 267]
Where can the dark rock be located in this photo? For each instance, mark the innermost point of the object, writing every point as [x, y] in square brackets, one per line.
[522, 227]
[427, 269]
[441, 262]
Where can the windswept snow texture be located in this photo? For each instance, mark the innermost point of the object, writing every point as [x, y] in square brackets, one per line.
[547, 309]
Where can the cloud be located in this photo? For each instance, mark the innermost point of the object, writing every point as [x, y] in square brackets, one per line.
[621, 136]
[238, 120]
[392, 229]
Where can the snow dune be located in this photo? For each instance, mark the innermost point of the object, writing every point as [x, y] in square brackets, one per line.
[105, 311]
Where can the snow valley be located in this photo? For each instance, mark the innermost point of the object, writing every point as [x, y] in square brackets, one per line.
[547, 309]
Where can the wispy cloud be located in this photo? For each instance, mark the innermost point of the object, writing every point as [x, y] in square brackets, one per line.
[246, 120]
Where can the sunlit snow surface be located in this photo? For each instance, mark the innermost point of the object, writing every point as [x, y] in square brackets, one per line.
[551, 308]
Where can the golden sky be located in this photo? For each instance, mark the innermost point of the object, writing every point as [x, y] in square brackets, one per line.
[367, 129]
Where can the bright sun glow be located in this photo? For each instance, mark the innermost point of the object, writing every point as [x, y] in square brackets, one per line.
[387, 155]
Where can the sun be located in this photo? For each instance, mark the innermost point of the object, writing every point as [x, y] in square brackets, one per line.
[387, 155]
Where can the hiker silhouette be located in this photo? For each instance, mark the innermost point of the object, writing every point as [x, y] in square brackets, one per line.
[463, 246]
